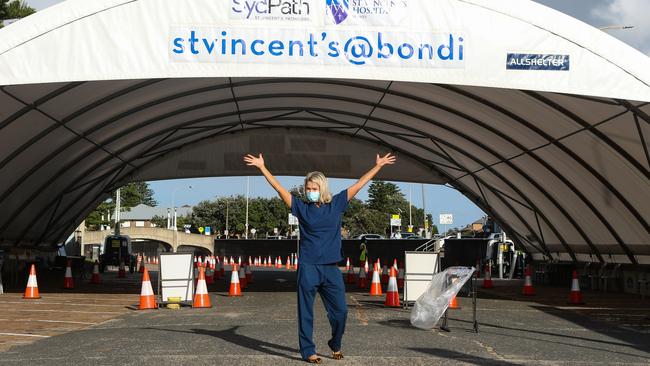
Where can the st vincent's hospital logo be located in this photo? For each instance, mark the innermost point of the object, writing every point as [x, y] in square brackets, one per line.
[366, 11]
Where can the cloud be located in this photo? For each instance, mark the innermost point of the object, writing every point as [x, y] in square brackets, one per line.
[627, 12]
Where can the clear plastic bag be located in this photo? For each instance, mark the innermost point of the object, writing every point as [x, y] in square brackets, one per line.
[431, 305]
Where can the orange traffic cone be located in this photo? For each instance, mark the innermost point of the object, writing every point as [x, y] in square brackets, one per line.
[351, 274]
[528, 289]
[242, 278]
[347, 265]
[375, 286]
[487, 281]
[209, 273]
[392, 295]
[201, 297]
[95, 279]
[395, 264]
[121, 273]
[453, 304]
[288, 265]
[31, 292]
[68, 282]
[575, 297]
[147, 298]
[400, 278]
[363, 279]
[295, 263]
[235, 288]
[249, 275]
[384, 275]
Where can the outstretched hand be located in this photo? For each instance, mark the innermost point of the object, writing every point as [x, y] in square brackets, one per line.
[386, 159]
[251, 160]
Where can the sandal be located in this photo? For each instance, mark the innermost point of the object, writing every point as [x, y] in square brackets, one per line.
[337, 355]
[313, 359]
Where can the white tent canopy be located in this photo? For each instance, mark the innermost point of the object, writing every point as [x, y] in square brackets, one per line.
[538, 118]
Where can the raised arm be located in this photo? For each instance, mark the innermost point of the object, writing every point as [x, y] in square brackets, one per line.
[259, 163]
[381, 161]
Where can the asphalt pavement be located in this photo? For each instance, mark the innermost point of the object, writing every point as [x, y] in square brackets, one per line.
[260, 328]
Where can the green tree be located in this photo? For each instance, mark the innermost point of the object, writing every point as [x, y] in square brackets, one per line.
[19, 9]
[3, 10]
[131, 195]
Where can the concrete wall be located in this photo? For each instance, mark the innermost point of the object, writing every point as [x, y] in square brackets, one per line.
[386, 250]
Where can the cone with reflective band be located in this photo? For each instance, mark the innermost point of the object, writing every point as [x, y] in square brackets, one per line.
[384, 275]
[395, 264]
[242, 278]
[351, 276]
[250, 262]
[235, 287]
[95, 279]
[288, 264]
[121, 273]
[528, 289]
[295, 262]
[347, 265]
[392, 294]
[575, 297]
[31, 291]
[249, 275]
[400, 278]
[201, 297]
[453, 304]
[68, 282]
[375, 286]
[209, 273]
[363, 278]
[147, 298]
[487, 281]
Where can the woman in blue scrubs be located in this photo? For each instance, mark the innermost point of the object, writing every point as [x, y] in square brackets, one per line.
[320, 250]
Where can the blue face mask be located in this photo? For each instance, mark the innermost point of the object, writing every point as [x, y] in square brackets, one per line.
[313, 196]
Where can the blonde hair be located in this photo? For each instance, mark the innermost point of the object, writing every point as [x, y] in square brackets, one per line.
[320, 179]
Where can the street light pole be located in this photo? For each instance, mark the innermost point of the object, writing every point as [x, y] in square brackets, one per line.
[174, 225]
[248, 182]
[227, 232]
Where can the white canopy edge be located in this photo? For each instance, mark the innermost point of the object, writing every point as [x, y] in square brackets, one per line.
[130, 39]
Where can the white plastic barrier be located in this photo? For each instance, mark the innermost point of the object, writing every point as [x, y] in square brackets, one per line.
[419, 268]
[176, 277]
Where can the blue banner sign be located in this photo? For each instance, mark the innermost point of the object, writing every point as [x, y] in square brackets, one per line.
[527, 61]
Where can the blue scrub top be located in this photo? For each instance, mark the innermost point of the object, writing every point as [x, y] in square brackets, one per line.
[320, 229]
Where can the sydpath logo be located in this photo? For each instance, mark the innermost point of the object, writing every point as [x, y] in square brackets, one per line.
[283, 10]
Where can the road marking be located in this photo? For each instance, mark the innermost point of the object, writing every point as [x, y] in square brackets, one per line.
[47, 321]
[25, 335]
[57, 303]
[360, 312]
[65, 311]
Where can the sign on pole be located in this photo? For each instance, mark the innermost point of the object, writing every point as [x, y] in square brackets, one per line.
[446, 219]
[395, 220]
[208, 230]
[293, 220]
[201, 229]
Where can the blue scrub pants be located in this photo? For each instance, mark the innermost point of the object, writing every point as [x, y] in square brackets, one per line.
[326, 279]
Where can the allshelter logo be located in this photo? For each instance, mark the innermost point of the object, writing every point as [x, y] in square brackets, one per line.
[338, 9]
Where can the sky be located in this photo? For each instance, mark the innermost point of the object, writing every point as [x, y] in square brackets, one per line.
[438, 199]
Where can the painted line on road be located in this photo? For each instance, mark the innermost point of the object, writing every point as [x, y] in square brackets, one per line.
[25, 335]
[47, 321]
[58, 303]
[65, 311]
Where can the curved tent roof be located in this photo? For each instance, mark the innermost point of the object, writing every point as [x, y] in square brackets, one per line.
[538, 118]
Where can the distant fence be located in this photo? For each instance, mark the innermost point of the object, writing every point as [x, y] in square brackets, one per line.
[386, 250]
